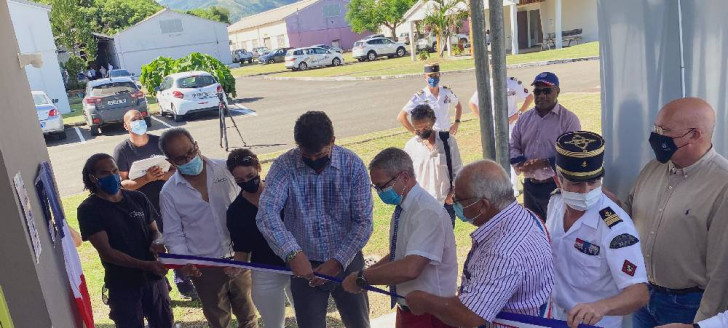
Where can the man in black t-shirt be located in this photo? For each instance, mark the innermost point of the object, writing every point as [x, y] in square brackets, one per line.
[121, 226]
[141, 145]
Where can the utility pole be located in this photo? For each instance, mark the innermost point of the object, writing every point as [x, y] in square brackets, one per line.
[482, 76]
[498, 46]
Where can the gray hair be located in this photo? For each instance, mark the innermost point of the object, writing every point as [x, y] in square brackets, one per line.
[392, 161]
[486, 179]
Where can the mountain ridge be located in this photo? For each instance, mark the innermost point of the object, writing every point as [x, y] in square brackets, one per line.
[238, 8]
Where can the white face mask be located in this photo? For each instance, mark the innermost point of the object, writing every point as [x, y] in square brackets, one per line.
[582, 202]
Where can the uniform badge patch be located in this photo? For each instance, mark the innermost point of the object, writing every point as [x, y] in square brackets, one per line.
[623, 240]
[586, 247]
[629, 268]
[609, 216]
[447, 99]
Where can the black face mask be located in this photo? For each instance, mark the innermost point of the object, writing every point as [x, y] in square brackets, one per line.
[663, 146]
[251, 185]
[424, 134]
[317, 165]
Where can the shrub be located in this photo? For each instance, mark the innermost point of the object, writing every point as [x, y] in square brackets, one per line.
[423, 55]
[154, 72]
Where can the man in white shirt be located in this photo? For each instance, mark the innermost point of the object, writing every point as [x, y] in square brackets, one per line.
[435, 157]
[438, 97]
[194, 204]
[422, 244]
[599, 269]
[516, 91]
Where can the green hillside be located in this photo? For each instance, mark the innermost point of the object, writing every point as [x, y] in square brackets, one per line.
[238, 8]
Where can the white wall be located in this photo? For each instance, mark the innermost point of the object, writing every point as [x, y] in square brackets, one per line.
[33, 33]
[574, 14]
[145, 41]
[244, 38]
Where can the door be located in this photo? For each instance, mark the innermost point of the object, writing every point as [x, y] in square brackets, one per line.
[522, 21]
[535, 33]
[322, 57]
[267, 43]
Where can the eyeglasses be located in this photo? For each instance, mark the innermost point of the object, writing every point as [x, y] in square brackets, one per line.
[181, 160]
[545, 91]
[378, 188]
[662, 131]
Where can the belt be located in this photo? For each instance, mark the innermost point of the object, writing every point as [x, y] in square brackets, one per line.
[534, 181]
[404, 308]
[676, 291]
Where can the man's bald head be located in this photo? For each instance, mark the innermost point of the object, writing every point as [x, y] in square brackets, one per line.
[131, 115]
[485, 179]
[688, 113]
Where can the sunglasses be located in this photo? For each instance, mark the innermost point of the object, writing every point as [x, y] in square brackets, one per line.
[544, 91]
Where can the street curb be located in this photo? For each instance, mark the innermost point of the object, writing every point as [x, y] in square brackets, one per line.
[400, 76]
[74, 125]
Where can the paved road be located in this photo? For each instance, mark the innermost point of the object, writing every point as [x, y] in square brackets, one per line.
[356, 107]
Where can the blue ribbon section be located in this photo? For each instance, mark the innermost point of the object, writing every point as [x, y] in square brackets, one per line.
[538, 321]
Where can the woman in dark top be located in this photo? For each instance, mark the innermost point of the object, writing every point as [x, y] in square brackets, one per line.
[269, 290]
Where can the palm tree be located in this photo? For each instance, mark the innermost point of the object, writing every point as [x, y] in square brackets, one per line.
[444, 18]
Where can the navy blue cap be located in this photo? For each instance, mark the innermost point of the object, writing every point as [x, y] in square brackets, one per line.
[548, 78]
[580, 156]
[432, 68]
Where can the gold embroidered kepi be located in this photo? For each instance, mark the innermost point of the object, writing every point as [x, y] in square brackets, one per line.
[580, 156]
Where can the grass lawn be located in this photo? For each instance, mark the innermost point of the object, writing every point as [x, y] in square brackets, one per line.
[189, 314]
[405, 65]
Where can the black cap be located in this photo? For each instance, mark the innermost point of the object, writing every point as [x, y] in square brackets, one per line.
[432, 68]
[580, 156]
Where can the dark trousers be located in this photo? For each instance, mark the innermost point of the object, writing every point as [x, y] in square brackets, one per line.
[536, 196]
[129, 306]
[664, 308]
[312, 302]
[451, 211]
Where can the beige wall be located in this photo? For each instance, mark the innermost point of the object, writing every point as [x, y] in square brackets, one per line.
[38, 295]
[244, 39]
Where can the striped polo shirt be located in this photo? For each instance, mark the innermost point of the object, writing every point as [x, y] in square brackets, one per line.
[509, 267]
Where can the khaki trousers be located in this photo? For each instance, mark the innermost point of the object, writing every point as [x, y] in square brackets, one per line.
[220, 295]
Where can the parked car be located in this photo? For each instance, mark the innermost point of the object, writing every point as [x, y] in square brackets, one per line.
[125, 73]
[242, 56]
[275, 56]
[51, 121]
[374, 36]
[107, 100]
[328, 47]
[259, 51]
[304, 58]
[404, 38]
[370, 49]
[428, 41]
[182, 94]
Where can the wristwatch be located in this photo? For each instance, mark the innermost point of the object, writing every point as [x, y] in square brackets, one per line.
[360, 280]
[457, 121]
[695, 325]
[292, 255]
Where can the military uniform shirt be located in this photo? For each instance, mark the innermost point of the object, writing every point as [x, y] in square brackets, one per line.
[515, 91]
[440, 104]
[593, 261]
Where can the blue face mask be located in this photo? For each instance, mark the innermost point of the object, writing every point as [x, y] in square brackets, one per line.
[389, 196]
[109, 184]
[433, 81]
[138, 127]
[459, 212]
[193, 167]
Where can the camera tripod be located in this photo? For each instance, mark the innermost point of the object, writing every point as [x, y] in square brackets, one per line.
[224, 111]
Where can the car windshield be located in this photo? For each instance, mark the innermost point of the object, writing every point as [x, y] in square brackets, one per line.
[195, 81]
[119, 72]
[114, 88]
[40, 99]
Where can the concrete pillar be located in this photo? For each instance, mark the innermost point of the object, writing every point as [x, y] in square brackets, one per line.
[37, 294]
[413, 46]
[557, 24]
[514, 29]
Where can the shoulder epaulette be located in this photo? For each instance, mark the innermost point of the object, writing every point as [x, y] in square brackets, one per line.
[556, 191]
[446, 87]
[609, 216]
[421, 92]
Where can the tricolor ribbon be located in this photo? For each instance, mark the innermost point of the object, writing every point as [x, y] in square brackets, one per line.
[503, 319]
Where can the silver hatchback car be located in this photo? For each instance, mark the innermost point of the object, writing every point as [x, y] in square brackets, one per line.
[51, 121]
[107, 100]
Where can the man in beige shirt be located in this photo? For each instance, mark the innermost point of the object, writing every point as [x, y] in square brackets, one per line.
[679, 205]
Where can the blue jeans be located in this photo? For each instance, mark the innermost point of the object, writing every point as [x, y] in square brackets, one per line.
[665, 308]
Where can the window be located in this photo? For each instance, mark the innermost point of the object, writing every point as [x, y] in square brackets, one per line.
[171, 26]
[320, 51]
[196, 81]
[332, 10]
[114, 88]
[41, 99]
[281, 40]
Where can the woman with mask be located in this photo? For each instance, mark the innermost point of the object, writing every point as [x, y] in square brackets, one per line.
[599, 269]
[269, 290]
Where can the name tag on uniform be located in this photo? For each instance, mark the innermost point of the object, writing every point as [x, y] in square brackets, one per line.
[586, 247]
[220, 179]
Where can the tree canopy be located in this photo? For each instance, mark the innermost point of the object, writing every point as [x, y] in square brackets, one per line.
[215, 13]
[370, 15]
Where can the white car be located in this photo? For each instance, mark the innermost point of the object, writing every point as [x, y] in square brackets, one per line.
[186, 93]
[370, 49]
[304, 58]
[51, 121]
[428, 41]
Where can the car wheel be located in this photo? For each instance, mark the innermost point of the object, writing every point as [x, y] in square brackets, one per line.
[148, 120]
[303, 66]
[271, 61]
[336, 62]
[95, 130]
[360, 59]
[175, 116]
[61, 135]
[372, 56]
[400, 52]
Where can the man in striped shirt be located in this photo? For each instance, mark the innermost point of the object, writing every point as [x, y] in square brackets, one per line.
[509, 267]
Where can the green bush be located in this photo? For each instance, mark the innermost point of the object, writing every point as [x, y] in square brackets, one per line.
[73, 66]
[154, 72]
[423, 55]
